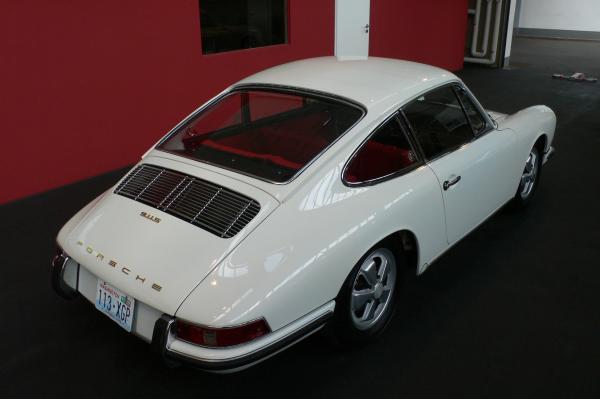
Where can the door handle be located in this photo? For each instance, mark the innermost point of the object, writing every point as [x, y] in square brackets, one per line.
[449, 183]
[367, 28]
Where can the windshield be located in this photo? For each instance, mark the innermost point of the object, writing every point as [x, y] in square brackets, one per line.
[264, 133]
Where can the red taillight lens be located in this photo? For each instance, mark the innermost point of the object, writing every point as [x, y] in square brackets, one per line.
[220, 337]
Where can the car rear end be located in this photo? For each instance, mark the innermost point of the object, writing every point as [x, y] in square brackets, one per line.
[140, 250]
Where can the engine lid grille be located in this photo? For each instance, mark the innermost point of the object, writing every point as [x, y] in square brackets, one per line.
[214, 208]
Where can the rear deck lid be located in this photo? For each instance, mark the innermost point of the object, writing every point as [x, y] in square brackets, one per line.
[164, 227]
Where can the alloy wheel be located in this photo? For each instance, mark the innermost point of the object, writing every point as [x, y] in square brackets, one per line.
[529, 176]
[373, 288]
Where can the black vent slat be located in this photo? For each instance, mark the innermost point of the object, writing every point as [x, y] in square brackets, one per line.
[190, 201]
[187, 203]
[204, 204]
[217, 213]
[233, 202]
[212, 224]
[181, 214]
[200, 196]
[145, 176]
[216, 219]
[159, 190]
[135, 186]
[176, 193]
[151, 198]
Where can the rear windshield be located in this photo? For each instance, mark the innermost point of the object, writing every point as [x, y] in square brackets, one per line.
[264, 133]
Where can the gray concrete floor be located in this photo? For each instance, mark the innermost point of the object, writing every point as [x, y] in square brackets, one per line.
[556, 56]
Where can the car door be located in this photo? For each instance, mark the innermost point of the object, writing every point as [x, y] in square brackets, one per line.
[398, 185]
[469, 156]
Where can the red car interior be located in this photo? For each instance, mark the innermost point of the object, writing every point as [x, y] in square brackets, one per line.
[375, 159]
[290, 143]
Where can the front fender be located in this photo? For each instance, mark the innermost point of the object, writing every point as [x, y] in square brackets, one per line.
[532, 123]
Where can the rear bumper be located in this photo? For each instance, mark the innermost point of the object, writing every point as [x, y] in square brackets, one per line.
[236, 358]
[70, 279]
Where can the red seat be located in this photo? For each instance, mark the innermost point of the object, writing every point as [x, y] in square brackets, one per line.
[290, 144]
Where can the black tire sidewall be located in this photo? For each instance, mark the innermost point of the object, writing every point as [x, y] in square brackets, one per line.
[342, 326]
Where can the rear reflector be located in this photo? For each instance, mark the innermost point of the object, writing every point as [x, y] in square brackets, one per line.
[221, 337]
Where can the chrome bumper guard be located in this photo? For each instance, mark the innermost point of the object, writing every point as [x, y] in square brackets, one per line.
[57, 274]
[163, 334]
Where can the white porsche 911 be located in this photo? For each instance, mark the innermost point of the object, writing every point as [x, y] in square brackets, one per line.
[295, 199]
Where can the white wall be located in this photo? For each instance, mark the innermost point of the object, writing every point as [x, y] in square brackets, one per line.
[582, 15]
[510, 28]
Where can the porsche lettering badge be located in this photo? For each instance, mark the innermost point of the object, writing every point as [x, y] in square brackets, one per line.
[118, 266]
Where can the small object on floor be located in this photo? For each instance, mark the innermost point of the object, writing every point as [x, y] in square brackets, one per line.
[577, 77]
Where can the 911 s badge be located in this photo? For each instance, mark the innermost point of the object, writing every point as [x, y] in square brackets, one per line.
[150, 217]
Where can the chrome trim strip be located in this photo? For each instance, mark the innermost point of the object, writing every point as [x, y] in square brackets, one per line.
[491, 124]
[222, 328]
[244, 355]
[419, 162]
[413, 139]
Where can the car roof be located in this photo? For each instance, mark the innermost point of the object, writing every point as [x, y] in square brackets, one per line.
[371, 82]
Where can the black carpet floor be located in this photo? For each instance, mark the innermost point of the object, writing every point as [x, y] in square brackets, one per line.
[513, 311]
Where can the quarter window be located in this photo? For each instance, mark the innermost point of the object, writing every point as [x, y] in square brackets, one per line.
[228, 25]
[385, 153]
[439, 122]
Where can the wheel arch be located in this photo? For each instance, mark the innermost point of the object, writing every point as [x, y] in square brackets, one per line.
[404, 241]
[541, 143]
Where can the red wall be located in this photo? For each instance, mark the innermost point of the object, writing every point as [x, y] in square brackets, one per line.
[88, 86]
[428, 31]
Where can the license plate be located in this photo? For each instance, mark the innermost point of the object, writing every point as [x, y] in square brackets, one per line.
[115, 304]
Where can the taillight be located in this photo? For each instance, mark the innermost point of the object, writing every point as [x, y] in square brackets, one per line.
[220, 337]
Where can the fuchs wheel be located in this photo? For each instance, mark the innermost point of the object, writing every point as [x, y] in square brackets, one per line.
[367, 300]
[529, 178]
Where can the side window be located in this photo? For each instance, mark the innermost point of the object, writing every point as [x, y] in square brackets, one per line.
[475, 117]
[386, 152]
[439, 122]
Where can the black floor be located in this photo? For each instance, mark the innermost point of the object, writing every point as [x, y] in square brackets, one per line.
[511, 312]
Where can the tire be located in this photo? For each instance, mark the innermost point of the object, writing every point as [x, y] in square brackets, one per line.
[529, 179]
[367, 300]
